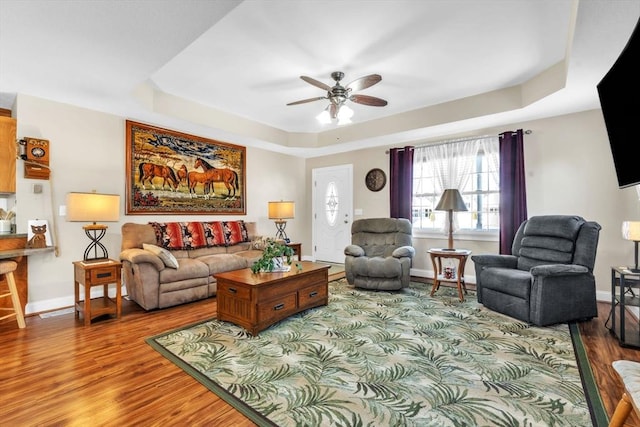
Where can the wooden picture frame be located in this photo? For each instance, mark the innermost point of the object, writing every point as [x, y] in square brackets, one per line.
[170, 172]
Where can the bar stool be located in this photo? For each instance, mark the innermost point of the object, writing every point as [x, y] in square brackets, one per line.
[6, 269]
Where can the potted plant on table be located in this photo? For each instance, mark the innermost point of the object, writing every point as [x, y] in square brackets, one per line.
[274, 256]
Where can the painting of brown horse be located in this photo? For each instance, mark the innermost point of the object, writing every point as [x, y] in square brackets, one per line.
[162, 177]
[149, 171]
[182, 175]
[193, 179]
[227, 176]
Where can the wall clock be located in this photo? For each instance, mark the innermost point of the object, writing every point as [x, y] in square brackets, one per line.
[375, 179]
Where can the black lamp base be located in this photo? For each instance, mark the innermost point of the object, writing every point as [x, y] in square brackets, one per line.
[280, 233]
[95, 232]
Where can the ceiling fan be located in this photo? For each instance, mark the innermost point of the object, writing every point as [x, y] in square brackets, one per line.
[338, 94]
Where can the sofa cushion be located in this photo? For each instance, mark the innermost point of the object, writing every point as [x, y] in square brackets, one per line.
[220, 263]
[508, 281]
[189, 268]
[251, 256]
[235, 232]
[134, 235]
[167, 257]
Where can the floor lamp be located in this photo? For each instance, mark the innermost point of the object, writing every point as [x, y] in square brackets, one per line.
[93, 207]
[279, 211]
[451, 201]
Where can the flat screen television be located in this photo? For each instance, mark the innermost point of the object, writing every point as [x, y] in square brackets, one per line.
[619, 93]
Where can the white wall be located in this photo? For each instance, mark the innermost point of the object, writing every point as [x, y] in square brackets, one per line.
[87, 152]
[569, 170]
[568, 165]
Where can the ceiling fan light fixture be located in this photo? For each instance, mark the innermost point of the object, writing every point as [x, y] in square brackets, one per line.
[345, 113]
[324, 117]
[338, 95]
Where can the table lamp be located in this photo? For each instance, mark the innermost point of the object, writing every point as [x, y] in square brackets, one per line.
[279, 211]
[631, 231]
[93, 207]
[451, 201]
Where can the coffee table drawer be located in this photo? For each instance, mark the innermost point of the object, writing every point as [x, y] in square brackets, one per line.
[233, 291]
[312, 295]
[277, 308]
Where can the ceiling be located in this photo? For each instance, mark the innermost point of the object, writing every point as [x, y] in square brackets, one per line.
[226, 69]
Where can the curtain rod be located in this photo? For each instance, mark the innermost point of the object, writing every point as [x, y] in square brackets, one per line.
[527, 132]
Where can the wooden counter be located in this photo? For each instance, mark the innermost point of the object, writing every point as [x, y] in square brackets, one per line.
[13, 247]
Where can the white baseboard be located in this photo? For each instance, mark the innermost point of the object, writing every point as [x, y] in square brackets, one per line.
[62, 302]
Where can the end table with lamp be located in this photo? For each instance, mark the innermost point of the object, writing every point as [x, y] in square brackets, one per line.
[448, 274]
[627, 282]
[279, 212]
[96, 268]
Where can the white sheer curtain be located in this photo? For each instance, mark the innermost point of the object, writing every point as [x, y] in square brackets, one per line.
[491, 148]
[454, 161]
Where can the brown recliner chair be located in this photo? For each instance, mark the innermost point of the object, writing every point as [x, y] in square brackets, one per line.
[380, 254]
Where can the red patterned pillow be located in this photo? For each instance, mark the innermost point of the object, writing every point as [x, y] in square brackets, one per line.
[235, 232]
[214, 233]
[169, 235]
[194, 235]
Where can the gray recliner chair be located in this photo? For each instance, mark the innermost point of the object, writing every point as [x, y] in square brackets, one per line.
[549, 278]
[380, 254]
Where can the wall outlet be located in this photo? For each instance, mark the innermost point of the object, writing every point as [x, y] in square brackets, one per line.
[37, 188]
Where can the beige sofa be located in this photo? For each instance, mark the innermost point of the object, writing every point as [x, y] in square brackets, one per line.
[153, 283]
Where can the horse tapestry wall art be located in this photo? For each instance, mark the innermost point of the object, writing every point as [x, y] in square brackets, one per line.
[169, 172]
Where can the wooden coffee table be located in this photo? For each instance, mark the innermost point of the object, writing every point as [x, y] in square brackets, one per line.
[256, 301]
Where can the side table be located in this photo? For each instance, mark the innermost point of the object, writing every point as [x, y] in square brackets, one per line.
[97, 273]
[437, 255]
[297, 249]
[628, 294]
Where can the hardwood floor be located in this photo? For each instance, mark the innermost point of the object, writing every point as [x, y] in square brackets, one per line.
[58, 372]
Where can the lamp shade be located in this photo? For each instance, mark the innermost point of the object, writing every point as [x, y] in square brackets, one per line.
[631, 230]
[451, 200]
[92, 207]
[281, 210]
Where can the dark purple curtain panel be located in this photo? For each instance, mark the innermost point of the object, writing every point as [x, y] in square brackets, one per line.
[513, 194]
[401, 182]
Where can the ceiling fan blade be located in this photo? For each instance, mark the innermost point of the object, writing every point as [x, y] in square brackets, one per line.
[316, 83]
[303, 101]
[364, 82]
[368, 100]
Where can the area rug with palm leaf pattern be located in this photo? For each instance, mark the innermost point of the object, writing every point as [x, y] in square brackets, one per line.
[391, 359]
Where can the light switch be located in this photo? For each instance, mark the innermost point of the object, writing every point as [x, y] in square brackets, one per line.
[62, 210]
[37, 188]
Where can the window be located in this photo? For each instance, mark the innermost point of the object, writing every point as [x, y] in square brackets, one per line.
[331, 203]
[472, 167]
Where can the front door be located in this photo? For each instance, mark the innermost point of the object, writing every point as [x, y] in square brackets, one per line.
[332, 208]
